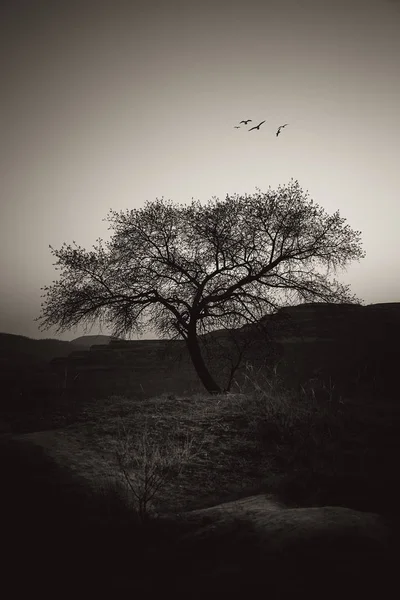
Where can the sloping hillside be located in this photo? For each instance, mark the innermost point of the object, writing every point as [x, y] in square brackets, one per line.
[353, 346]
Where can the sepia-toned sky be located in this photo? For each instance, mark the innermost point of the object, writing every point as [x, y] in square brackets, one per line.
[107, 104]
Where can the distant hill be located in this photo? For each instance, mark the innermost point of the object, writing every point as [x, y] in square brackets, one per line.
[349, 344]
[21, 350]
[86, 341]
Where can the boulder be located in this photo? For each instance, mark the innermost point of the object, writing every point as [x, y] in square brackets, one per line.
[239, 548]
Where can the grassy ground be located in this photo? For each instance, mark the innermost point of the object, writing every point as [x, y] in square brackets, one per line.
[68, 511]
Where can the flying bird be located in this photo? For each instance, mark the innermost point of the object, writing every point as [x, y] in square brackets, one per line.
[257, 126]
[280, 128]
[236, 127]
[245, 122]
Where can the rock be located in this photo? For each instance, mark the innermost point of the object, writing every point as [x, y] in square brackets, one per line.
[255, 543]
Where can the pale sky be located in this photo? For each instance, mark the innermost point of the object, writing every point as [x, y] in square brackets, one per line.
[109, 104]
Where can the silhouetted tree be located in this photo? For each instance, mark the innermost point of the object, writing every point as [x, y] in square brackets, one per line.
[187, 270]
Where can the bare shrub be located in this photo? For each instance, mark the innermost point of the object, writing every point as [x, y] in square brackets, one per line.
[146, 463]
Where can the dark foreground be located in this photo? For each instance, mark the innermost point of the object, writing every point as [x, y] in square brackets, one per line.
[61, 541]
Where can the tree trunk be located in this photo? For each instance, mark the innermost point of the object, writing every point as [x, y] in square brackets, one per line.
[205, 376]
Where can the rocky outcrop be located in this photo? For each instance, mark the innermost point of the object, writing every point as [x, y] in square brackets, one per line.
[241, 547]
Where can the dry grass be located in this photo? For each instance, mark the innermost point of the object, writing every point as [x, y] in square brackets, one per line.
[309, 449]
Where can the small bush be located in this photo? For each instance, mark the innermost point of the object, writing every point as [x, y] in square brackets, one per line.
[146, 464]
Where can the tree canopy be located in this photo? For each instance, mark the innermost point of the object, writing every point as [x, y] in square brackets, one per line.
[184, 270]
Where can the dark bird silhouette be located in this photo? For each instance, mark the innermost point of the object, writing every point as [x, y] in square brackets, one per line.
[236, 127]
[247, 121]
[280, 128]
[257, 126]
